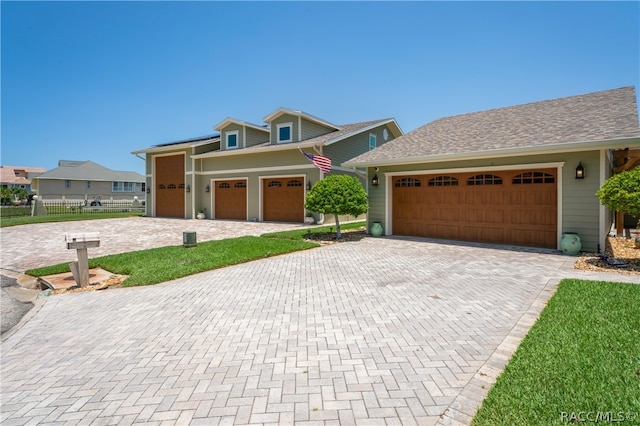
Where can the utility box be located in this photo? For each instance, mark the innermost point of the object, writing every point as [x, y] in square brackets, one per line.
[189, 239]
[81, 242]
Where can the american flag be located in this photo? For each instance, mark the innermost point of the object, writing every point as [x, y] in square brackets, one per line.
[320, 161]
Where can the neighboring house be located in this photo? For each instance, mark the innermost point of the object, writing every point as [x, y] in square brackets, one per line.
[521, 175]
[254, 172]
[18, 177]
[86, 180]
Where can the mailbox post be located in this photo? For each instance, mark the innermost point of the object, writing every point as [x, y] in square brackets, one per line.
[81, 242]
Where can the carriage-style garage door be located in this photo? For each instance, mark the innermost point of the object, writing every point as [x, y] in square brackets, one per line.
[283, 199]
[169, 191]
[231, 199]
[502, 207]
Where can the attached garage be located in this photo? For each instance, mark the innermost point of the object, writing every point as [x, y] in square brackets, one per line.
[516, 207]
[169, 186]
[230, 199]
[283, 199]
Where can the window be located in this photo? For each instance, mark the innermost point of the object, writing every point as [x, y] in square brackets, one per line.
[242, 184]
[294, 183]
[181, 186]
[284, 132]
[485, 179]
[533, 177]
[88, 184]
[67, 184]
[232, 139]
[407, 182]
[372, 141]
[224, 185]
[443, 181]
[124, 187]
[274, 183]
[143, 186]
[171, 186]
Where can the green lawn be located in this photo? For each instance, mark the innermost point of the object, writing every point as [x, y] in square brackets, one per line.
[579, 361]
[146, 267]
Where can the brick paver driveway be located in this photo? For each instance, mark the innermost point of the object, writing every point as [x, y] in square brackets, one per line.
[380, 331]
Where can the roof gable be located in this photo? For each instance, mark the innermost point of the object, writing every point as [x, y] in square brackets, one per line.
[282, 110]
[598, 116]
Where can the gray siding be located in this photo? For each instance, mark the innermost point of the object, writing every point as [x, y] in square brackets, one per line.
[311, 129]
[256, 137]
[56, 189]
[231, 127]
[347, 149]
[285, 118]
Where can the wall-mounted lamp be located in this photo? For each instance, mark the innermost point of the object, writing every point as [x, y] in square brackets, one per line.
[188, 188]
[207, 189]
[580, 171]
[148, 190]
[308, 185]
[374, 180]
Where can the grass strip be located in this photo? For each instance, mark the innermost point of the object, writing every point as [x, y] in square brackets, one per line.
[580, 362]
[152, 266]
[302, 233]
[27, 220]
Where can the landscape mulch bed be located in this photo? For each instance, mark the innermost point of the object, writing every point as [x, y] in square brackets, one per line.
[618, 250]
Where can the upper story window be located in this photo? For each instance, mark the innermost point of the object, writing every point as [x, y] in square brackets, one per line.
[372, 141]
[285, 131]
[232, 139]
[126, 187]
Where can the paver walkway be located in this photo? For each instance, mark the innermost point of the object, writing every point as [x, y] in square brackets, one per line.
[380, 331]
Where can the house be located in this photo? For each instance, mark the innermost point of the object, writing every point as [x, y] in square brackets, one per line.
[18, 176]
[521, 175]
[254, 172]
[86, 180]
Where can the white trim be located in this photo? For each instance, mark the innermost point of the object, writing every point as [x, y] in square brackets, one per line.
[229, 120]
[226, 139]
[282, 110]
[257, 170]
[557, 165]
[299, 128]
[212, 189]
[282, 125]
[603, 229]
[479, 169]
[261, 178]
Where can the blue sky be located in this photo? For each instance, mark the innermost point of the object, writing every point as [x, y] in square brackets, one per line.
[97, 80]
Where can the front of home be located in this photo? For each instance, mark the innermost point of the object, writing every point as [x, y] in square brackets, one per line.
[521, 175]
[254, 172]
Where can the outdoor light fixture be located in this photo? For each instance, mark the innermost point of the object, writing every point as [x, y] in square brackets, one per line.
[207, 188]
[374, 180]
[188, 188]
[308, 185]
[580, 171]
[148, 190]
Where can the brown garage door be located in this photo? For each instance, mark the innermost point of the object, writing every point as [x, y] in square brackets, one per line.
[503, 207]
[283, 199]
[231, 199]
[169, 191]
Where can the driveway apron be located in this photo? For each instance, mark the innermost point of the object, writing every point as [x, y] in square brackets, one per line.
[379, 331]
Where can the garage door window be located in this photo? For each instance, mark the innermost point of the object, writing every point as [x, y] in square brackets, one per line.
[407, 182]
[485, 179]
[240, 185]
[533, 178]
[294, 183]
[224, 185]
[274, 183]
[443, 181]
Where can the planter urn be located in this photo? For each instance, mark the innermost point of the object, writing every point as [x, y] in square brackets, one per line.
[570, 243]
[376, 230]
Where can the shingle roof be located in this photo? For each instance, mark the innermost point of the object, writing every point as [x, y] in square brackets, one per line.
[599, 116]
[88, 170]
[8, 174]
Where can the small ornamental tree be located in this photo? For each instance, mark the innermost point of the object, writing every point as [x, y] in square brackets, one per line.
[621, 192]
[337, 195]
